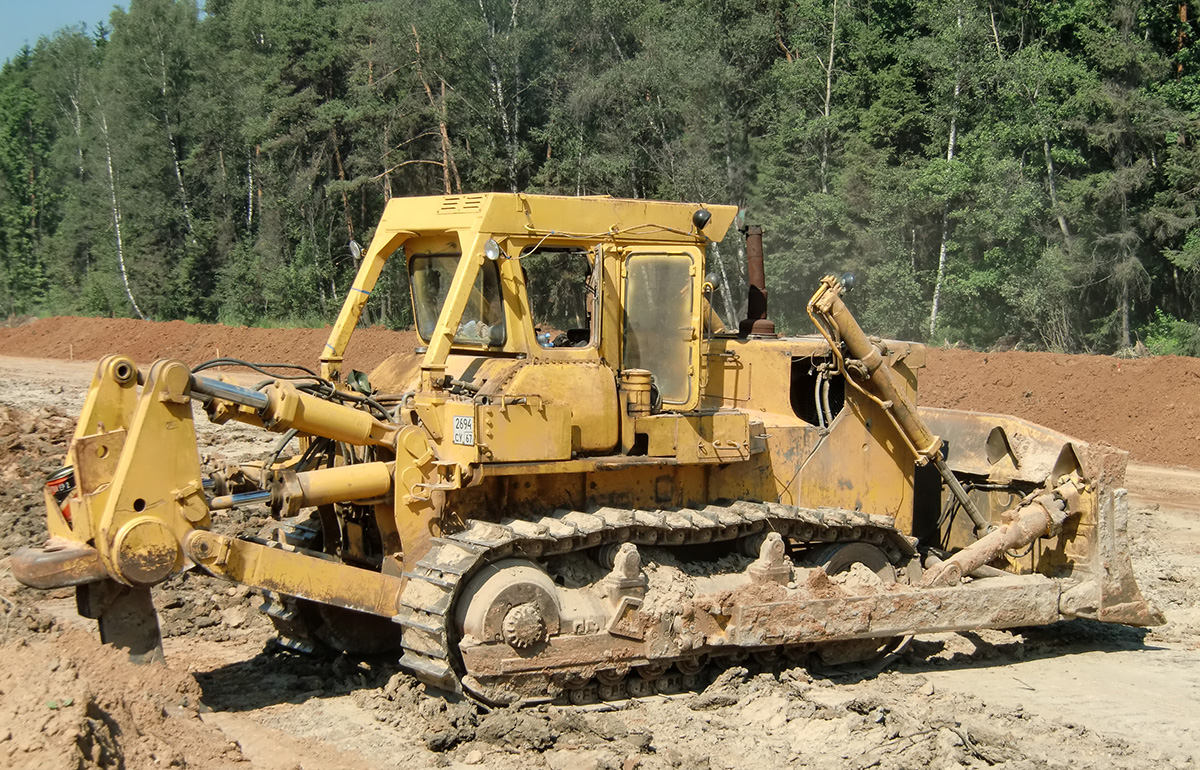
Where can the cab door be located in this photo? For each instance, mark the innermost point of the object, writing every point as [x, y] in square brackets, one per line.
[661, 332]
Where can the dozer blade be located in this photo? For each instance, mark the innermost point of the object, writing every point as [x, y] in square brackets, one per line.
[1089, 549]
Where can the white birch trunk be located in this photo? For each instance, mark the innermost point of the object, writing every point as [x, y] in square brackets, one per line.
[509, 125]
[950, 145]
[249, 189]
[166, 121]
[1062, 220]
[1124, 300]
[828, 102]
[116, 213]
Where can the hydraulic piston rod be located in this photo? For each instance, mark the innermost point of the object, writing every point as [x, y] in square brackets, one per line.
[877, 375]
[1032, 519]
[282, 406]
[230, 392]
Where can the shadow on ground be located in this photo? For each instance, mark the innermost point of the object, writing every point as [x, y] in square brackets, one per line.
[971, 649]
[273, 677]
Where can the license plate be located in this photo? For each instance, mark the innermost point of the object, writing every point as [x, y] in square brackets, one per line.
[464, 430]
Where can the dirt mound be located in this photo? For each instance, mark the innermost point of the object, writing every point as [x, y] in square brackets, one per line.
[32, 445]
[1149, 406]
[70, 702]
[85, 339]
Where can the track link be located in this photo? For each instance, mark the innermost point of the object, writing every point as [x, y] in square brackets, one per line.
[427, 603]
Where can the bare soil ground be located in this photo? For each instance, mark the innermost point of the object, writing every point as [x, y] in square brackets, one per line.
[1076, 695]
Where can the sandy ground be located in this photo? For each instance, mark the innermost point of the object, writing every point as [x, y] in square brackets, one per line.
[1072, 695]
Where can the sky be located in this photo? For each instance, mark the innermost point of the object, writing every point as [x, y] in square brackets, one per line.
[24, 21]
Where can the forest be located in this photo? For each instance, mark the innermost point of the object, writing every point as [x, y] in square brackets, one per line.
[1016, 173]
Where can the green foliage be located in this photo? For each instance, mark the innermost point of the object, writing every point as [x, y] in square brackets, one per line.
[1033, 166]
[1168, 336]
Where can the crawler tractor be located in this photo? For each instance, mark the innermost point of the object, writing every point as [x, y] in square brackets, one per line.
[580, 486]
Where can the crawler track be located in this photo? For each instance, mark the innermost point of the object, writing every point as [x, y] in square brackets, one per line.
[428, 601]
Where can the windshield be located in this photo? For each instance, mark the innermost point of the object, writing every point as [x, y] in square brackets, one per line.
[482, 321]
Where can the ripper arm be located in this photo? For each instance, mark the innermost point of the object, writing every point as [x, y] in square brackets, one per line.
[138, 512]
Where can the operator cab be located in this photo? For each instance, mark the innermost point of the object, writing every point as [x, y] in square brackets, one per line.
[539, 300]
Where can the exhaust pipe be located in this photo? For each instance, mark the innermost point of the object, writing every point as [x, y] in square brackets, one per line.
[756, 322]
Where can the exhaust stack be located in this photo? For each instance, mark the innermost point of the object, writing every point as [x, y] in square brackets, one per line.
[756, 321]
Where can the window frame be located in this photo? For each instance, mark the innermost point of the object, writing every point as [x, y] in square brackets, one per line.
[596, 254]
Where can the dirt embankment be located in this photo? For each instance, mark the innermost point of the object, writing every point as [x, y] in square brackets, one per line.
[1150, 406]
[85, 339]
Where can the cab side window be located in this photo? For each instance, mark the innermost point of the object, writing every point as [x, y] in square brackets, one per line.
[561, 295]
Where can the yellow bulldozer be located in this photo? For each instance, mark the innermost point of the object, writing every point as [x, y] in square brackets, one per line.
[581, 486]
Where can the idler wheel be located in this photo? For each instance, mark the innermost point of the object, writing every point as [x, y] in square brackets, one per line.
[840, 557]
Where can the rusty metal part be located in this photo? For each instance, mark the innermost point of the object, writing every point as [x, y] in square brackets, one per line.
[1037, 517]
[756, 322]
[58, 563]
